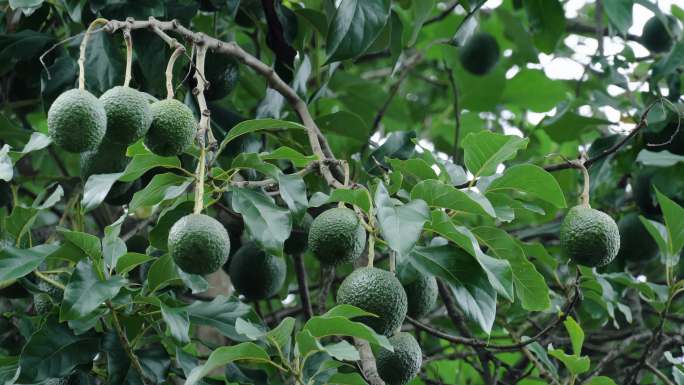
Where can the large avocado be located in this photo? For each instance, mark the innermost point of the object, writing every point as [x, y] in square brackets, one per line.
[173, 128]
[400, 366]
[636, 244]
[77, 121]
[655, 35]
[337, 236]
[376, 291]
[128, 114]
[480, 53]
[199, 244]
[421, 293]
[589, 237]
[256, 274]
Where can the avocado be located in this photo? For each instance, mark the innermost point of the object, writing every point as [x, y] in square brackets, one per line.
[636, 244]
[421, 293]
[42, 303]
[376, 291]
[337, 236]
[77, 121]
[199, 244]
[298, 240]
[108, 158]
[173, 128]
[589, 237]
[655, 35]
[401, 365]
[479, 54]
[49, 289]
[222, 72]
[69, 380]
[128, 114]
[256, 274]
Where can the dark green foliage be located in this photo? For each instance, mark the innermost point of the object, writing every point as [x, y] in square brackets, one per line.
[173, 128]
[69, 380]
[52, 290]
[13, 290]
[655, 35]
[128, 114]
[222, 72]
[400, 366]
[256, 274]
[635, 242]
[589, 237]
[199, 244]
[108, 158]
[77, 121]
[669, 138]
[298, 240]
[480, 53]
[337, 236]
[376, 291]
[421, 293]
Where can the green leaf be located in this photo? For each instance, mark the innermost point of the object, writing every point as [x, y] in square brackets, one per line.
[529, 283]
[281, 335]
[141, 163]
[342, 351]
[267, 223]
[547, 22]
[321, 327]
[162, 272]
[575, 364]
[130, 261]
[96, 189]
[88, 243]
[568, 125]
[484, 151]
[85, 292]
[658, 232]
[246, 351]
[420, 11]
[16, 263]
[178, 322]
[416, 169]
[162, 187]
[533, 90]
[249, 330]
[286, 153]
[600, 380]
[26, 6]
[576, 335]
[307, 343]
[344, 123]
[54, 351]
[251, 160]
[354, 27]
[439, 194]
[221, 313]
[466, 278]
[532, 180]
[400, 225]
[347, 379]
[619, 13]
[9, 369]
[293, 191]
[347, 311]
[113, 247]
[159, 235]
[674, 221]
[248, 126]
[658, 159]
[359, 197]
[104, 65]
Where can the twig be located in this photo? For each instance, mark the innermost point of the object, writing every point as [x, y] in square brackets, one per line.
[123, 339]
[442, 15]
[394, 89]
[204, 125]
[49, 280]
[458, 154]
[367, 362]
[658, 373]
[327, 277]
[303, 285]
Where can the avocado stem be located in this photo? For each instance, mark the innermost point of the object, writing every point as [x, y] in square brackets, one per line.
[584, 198]
[180, 49]
[129, 56]
[84, 43]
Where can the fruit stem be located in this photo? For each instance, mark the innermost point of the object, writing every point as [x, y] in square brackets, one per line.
[180, 49]
[371, 250]
[204, 125]
[584, 198]
[129, 55]
[199, 187]
[84, 43]
[392, 261]
[49, 280]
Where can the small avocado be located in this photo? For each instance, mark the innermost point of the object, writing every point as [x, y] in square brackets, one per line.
[337, 236]
[69, 380]
[173, 128]
[655, 35]
[479, 54]
[77, 121]
[298, 240]
[256, 274]
[42, 303]
[376, 291]
[589, 237]
[421, 293]
[51, 290]
[636, 244]
[128, 114]
[199, 244]
[403, 364]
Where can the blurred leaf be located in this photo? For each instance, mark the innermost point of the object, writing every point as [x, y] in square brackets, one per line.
[485, 150]
[658, 159]
[6, 164]
[674, 221]
[130, 261]
[178, 322]
[576, 335]
[575, 364]
[531, 89]
[354, 27]
[293, 191]
[104, 65]
[619, 13]
[547, 22]
[600, 380]
[568, 125]
[346, 124]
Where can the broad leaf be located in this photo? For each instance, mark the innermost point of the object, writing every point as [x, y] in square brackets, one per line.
[354, 27]
[321, 327]
[141, 163]
[162, 187]
[485, 150]
[674, 220]
[438, 194]
[85, 292]
[532, 180]
[178, 322]
[16, 263]
[221, 313]
[267, 223]
[400, 225]
[96, 189]
[246, 351]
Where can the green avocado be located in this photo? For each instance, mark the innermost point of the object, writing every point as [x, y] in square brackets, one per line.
[69, 380]
[655, 36]
[589, 237]
[636, 244]
[49, 289]
[199, 244]
[222, 72]
[128, 114]
[77, 121]
[401, 365]
[480, 53]
[421, 293]
[173, 128]
[298, 240]
[256, 274]
[337, 236]
[376, 291]
[42, 303]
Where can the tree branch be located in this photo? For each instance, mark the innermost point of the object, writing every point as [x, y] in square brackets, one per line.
[123, 339]
[303, 285]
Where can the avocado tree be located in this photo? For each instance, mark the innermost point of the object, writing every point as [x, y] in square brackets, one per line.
[341, 192]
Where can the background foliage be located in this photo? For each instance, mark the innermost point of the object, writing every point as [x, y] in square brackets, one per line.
[463, 175]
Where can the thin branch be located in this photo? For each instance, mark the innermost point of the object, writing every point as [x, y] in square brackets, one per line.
[204, 127]
[442, 15]
[659, 374]
[129, 56]
[303, 285]
[123, 339]
[458, 154]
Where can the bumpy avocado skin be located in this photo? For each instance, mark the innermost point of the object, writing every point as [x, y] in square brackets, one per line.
[173, 128]
[128, 114]
[298, 240]
[480, 53]
[337, 236]
[256, 274]
[400, 366]
[589, 237]
[376, 291]
[421, 294]
[42, 303]
[223, 73]
[655, 36]
[77, 121]
[635, 242]
[199, 244]
[69, 380]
